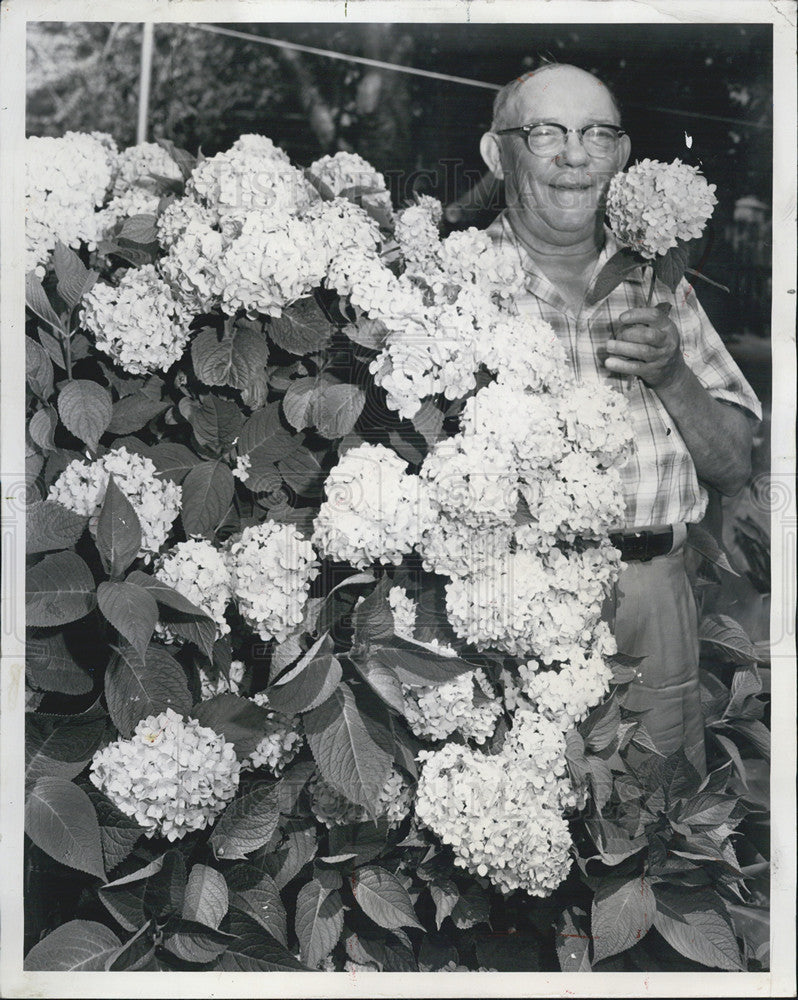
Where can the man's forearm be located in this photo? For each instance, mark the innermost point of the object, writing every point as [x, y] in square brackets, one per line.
[718, 436]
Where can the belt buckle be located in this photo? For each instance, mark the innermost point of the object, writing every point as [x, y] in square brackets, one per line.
[645, 537]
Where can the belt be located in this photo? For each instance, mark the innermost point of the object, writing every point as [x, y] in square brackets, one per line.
[643, 545]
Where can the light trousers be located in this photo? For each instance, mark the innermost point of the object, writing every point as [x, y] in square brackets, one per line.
[653, 615]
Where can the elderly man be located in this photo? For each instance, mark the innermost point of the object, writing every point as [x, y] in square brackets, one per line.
[556, 141]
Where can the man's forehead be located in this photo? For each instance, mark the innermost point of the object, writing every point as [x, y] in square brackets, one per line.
[558, 92]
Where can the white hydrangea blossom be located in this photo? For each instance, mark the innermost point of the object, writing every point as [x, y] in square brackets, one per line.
[272, 261]
[191, 266]
[467, 705]
[139, 323]
[271, 568]
[339, 226]
[416, 232]
[253, 174]
[199, 571]
[403, 608]
[375, 289]
[469, 256]
[596, 419]
[173, 776]
[333, 809]
[210, 686]
[178, 215]
[67, 179]
[81, 487]
[281, 742]
[525, 352]
[452, 548]
[501, 812]
[653, 205]
[343, 170]
[374, 510]
[136, 165]
[133, 201]
[242, 467]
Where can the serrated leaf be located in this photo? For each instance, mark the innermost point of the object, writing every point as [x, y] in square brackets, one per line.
[165, 594]
[207, 493]
[185, 161]
[232, 360]
[36, 300]
[383, 680]
[118, 535]
[472, 908]
[172, 460]
[86, 409]
[256, 894]
[136, 953]
[697, 925]
[51, 667]
[573, 943]
[728, 635]
[239, 720]
[76, 946]
[73, 279]
[302, 329]
[216, 422]
[61, 746]
[139, 229]
[670, 266]
[59, 589]
[38, 368]
[298, 848]
[318, 923]
[264, 441]
[347, 755]
[601, 727]
[124, 897]
[418, 664]
[382, 897]
[706, 545]
[60, 819]
[131, 610]
[367, 332]
[428, 421]
[245, 825]
[337, 408]
[310, 682]
[137, 687]
[119, 833]
[254, 951]
[166, 889]
[621, 264]
[206, 898]
[445, 895]
[299, 402]
[623, 912]
[194, 942]
[303, 472]
[41, 428]
[50, 526]
[132, 412]
[372, 618]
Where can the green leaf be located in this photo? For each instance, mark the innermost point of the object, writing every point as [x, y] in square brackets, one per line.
[245, 825]
[119, 833]
[124, 897]
[185, 161]
[573, 942]
[49, 525]
[601, 727]
[623, 912]
[373, 618]
[337, 408]
[347, 755]
[239, 720]
[697, 925]
[705, 544]
[166, 889]
[299, 846]
[310, 682]
[419, 664]
[139, 229]
[206, 898]
[53, 346]
[60, 746]
[254, 951]
[38, 368]
[216, 422]
[318, 923]
[302, 329]
[42, 426]
[137, 687]
[74, 280]
[76, 946]
[256, 894]
[207, 494]
[172, 460]
[617, 268]
[36, 300]
[135, 954]
[472, 908]
[51, 667]
[59, 589]
[132, 412]
[164, 594]
[85, 408]
[366, 332]
[60, 819]
[365, 840]
[118, 535]
[729, 636]
[131, 610]
[384, 682]
[445, 896]
[299, 402]
[194, 942]
[264, 441]
[428, 421]
[233, 360]
[303, 472]
[382, 897]
[670, 267]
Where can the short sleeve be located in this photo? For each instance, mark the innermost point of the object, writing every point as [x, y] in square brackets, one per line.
[707, 356]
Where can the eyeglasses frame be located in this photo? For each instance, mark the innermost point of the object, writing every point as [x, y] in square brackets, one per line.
[526, 129]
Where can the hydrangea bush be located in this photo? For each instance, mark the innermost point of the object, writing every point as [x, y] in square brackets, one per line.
[318, 524]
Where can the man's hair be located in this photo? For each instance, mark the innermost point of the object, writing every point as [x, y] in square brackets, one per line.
[509, 90]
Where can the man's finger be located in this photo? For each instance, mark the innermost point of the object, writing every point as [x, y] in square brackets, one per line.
[650, 316]
[631, 349]
[627, 366]
[640, 334]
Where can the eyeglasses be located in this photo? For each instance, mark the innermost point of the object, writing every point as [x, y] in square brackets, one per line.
[549, 138]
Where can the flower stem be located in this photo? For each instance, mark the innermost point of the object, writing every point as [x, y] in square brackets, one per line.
[651, 287]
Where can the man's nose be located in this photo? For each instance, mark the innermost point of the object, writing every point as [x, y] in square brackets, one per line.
[573, 152]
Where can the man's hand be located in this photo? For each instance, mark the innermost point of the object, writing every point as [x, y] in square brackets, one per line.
[650, 348]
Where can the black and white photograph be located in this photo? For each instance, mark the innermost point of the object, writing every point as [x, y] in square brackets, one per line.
[399, 524]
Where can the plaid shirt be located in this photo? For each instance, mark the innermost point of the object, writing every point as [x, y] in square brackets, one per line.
[660, 482]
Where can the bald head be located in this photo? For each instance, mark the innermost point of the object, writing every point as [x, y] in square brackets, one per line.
[532, 91]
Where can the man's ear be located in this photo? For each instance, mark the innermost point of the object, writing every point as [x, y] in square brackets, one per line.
[491, 154]
[624, 151]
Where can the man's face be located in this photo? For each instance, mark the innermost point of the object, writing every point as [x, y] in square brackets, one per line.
[562, 192]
